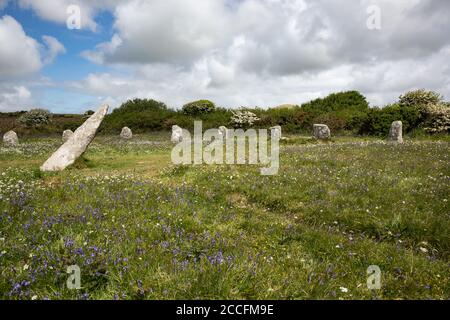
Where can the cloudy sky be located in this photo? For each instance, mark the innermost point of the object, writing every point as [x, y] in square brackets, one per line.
[234, 52]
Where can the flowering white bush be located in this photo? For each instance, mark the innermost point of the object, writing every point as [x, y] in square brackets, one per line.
[36, 118]
[437, 118]
[419, 98]
[243, 119]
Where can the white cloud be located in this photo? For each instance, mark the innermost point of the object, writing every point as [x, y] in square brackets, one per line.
[53, 49]
[21, 59]
[56, 10]
[165, 31]
[231, 87]
[260, 52]
[383, 82]
[176, 86]
[14, 98]
[264, 52]
[19, 54]
[281, 36]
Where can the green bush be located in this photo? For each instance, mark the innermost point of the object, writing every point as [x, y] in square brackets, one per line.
[420, 111]
[277, 116]
[140, 105]
[139, 115]
[337, 102]
[416, 109]
[379, 121]
[333, 120]
[340, 111]
[220, 117]
[198, 107]
[35, 118]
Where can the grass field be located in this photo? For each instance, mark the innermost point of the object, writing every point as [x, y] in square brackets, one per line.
[141, 228]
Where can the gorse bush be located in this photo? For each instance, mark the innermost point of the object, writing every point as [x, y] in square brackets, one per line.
[198, 107]
[35, 118]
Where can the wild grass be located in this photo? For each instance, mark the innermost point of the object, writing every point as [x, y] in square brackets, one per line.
[141, 228]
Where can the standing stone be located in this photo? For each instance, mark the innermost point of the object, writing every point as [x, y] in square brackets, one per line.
[126, 133]
[396, 132]
[277, 130]
[10, 139]
[73, 148]
[177, 134]
[322, 132]
[66, 135]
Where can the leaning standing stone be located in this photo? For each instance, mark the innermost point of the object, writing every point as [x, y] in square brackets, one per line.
[396, 132]
[126, 133]
[66, 135]
[77, 145]
[177, 134]
[10, 139]
[322, 132]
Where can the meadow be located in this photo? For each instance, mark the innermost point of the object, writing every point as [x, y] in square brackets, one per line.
[141, 228]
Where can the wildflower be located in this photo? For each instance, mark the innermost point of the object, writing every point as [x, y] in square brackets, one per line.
[68, 243]
[343, 289]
